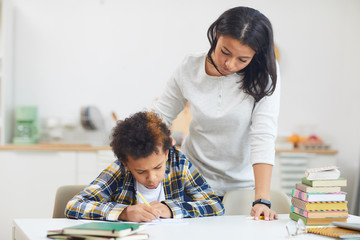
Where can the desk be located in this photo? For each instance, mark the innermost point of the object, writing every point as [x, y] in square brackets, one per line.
[223, 227]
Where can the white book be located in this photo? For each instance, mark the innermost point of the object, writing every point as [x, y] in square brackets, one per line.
[324, 173]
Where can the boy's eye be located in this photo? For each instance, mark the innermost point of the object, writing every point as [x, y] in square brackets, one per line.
[227, 54]
[158, 167]
[140, 172]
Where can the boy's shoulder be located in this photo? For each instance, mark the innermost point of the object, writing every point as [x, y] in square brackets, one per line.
[177, 158]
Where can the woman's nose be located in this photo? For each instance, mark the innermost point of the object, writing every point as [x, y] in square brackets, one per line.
[228, 63]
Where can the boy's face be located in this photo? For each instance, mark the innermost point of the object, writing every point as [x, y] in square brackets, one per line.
[149, 171]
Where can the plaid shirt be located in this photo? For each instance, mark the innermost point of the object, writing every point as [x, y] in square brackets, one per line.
[113, 190]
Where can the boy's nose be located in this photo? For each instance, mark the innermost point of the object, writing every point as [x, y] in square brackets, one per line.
[151, 177]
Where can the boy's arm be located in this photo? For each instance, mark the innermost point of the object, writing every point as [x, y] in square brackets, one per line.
[95, 201]
[204, 202]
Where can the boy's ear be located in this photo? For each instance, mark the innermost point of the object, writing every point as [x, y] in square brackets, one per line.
[124, 163]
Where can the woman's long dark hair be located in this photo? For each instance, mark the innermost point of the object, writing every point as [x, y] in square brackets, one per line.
[253, 29]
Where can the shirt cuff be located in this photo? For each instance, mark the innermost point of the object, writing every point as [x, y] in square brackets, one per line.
[114, 213]
[175, 209]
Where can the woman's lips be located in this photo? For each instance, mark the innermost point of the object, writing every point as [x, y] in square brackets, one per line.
[225, 71]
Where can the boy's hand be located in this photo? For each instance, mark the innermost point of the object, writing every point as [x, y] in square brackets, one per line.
[164, 210]
[139, 213]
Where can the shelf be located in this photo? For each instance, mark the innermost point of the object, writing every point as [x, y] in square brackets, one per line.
[317, 151]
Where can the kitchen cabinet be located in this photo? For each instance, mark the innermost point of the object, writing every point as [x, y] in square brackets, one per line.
[290, 166]
[29, 180]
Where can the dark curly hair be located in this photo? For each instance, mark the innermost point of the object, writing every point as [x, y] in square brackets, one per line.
[139, 136]
[253, 29]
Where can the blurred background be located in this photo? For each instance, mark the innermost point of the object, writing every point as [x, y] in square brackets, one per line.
[64, 56]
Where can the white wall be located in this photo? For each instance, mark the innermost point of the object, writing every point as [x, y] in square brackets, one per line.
[119, 54]
[319, 42]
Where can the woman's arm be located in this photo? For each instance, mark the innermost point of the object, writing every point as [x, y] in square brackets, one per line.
[262, 173]
[171, 102]
[263, 133]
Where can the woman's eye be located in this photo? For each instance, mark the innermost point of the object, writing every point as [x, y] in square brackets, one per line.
[243, 61]
[227, 54]
[140, 172]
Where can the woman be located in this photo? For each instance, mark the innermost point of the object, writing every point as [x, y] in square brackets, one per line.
[234, 98]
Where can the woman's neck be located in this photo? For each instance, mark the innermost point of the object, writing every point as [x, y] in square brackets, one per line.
[210, 68]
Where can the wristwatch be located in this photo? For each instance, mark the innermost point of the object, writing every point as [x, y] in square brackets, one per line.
[262, 201]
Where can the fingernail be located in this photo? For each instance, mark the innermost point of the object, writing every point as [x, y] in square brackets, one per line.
[267, 219]
[257, 218]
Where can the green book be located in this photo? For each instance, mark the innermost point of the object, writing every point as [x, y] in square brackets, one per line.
[316, 221]
[340, 182]
[108, 229]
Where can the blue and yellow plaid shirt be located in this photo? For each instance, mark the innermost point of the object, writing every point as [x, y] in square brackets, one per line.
[113, 190]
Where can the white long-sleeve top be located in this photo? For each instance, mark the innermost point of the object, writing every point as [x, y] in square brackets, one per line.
[228, 132]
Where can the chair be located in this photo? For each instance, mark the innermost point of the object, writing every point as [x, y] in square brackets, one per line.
[63, 195]
[239, 202]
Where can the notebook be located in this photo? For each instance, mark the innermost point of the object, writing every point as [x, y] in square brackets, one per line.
[334, 232]
[352, 226]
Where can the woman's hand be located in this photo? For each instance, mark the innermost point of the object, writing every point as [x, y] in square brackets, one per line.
[263, 210]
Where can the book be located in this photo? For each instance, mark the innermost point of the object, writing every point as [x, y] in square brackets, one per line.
[334, 232]
[340, 182]
[318, 197]
[308, 189]
[108, 229]
[331, 172]
[320, 214]
[315, 221]
[319, 206]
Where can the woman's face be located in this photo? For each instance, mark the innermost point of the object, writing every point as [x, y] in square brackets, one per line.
[230, 56]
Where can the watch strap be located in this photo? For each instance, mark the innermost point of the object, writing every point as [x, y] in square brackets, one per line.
[262, 201]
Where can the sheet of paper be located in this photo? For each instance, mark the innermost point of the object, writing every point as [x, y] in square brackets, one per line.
[163, 221]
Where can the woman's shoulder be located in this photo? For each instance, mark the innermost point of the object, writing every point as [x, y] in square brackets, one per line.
[194, 59]
[192, 65]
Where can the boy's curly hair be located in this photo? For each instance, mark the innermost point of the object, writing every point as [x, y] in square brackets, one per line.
[140, 135]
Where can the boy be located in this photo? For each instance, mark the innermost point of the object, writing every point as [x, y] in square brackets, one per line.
[147, 166]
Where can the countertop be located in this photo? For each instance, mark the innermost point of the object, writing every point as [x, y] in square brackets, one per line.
[54, 147]
[88, 147]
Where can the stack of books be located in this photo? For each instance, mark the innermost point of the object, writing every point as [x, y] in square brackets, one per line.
[100, 231]
[318, 199]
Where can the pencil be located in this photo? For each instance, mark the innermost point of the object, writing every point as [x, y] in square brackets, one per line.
[144, 200]
[253, 218]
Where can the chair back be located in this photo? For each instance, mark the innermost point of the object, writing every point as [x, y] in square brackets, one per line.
[239, 202]
[63, 195]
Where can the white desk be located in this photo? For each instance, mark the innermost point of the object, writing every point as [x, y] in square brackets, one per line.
[224, 227]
